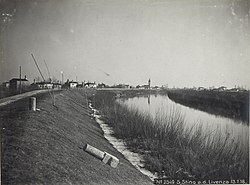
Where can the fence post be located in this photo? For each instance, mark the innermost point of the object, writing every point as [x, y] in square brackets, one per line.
[32, 104]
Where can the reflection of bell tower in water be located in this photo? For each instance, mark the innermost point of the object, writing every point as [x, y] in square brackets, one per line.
[149, 99]
[149, 88]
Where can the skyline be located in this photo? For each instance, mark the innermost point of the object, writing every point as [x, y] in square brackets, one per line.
[179, 43]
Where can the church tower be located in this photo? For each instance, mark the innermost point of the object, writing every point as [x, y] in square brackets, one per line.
[149, 83]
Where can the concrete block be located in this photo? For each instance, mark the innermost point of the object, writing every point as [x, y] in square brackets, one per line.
[94, 151]
[110, 160]
[103, 156]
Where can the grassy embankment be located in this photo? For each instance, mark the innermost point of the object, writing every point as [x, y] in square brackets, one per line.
[45, 147]
[167, 147]
[229, 104]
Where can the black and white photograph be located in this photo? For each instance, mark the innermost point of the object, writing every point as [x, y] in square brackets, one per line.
[124, 92]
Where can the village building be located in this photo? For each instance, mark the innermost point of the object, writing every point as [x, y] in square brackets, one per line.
[90, 85]
[57, 85]
[101, 85]
[201, 88]
[73, 84]
[80, 85]
[237, 89]
[45, 85]
[148, 86]
[70, 84]
[222, 88]
[6, 85]
[18, 84]
[41, 85]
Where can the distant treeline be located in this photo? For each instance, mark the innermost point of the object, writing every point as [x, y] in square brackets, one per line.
[229, 104]
[128, 93]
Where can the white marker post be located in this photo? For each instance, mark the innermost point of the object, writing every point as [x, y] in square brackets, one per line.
[32, 104]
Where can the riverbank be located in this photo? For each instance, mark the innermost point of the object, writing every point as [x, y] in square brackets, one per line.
[169, 149]
[229, 104]
[45, 147]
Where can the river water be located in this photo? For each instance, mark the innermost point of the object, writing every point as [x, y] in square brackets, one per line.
[161, 105]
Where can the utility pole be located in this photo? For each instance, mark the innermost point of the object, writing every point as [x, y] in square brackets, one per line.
[20, 82]
[62, 76]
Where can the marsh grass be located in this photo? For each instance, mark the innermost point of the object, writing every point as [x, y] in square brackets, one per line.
[171, 149]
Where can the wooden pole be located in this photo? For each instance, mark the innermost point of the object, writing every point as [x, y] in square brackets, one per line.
[20, 82]
[43, 78]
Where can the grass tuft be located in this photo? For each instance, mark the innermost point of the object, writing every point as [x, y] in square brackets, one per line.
[167, 146]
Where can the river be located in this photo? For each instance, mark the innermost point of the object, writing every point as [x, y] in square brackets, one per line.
[161, 105]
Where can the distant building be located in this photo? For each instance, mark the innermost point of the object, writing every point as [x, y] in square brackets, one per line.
[122, 86]
[144, 86]
[237, 89]
[222, 88]
[45, 85]
[73, 84]
[16, 84]
[80, 85]
[156, 87]
[101, 85]
[42, 85]
[201, 88]
[70, 84]
[57, 85]
[90, 85]
[6, 84]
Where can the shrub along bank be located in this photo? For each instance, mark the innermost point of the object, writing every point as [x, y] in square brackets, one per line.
[170, 149]
[225, 103]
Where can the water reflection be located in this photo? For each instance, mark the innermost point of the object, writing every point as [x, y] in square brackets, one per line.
[211, 124]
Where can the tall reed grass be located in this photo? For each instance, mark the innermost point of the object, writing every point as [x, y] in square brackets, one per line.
[171, 149]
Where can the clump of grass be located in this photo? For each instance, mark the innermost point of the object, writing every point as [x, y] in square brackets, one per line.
[167, 146]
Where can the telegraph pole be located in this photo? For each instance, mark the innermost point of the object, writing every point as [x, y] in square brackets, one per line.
[20, 82]
[62, 76]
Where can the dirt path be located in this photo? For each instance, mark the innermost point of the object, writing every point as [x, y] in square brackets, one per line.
[11, 99]
[44, 147]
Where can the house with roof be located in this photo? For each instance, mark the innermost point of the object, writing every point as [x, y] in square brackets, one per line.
[201, 88]
[41, 85]
[6, 85]
[45, 85]
[70, 84]
[73, 84]
[80, 85]
[57, 85]
[90, 85]
[222, 88]
[148, 86]
[101, 85]
[16, 84]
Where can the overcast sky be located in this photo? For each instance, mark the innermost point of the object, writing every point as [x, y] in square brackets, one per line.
[175, 42]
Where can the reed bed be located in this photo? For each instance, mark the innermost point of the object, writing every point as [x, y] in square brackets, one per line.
[171, 150]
